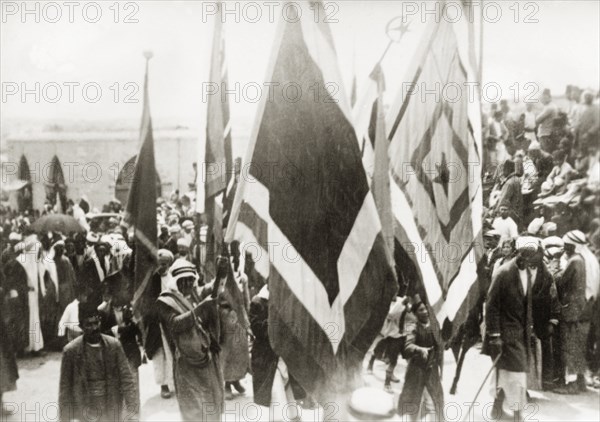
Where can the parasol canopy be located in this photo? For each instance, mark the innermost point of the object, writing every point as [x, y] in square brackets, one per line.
[14, 185]
[57, 223]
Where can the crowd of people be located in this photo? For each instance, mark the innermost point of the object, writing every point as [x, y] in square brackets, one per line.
[539, 313]
[540, 271]
[75, 291]
[539, 279]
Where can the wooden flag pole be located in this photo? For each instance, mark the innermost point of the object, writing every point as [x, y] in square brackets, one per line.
[482, 384]
[481, 20]
[403, 28]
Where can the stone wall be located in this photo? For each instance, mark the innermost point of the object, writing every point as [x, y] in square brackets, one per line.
[91, 161]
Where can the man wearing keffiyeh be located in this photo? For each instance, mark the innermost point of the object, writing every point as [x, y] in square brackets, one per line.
[576, 290]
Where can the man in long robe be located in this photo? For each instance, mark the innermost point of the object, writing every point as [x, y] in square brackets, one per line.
[575, 316]
[157, 346]
[194, 327]
[49, 305]
[8, 364]
[235, 357]
[34, 269]
[545, 313]
[66, 276]
[16, 280]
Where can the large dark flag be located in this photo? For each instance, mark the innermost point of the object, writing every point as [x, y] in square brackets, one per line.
[306, 211]
[218, 156]
[435, 155]
[141, 207]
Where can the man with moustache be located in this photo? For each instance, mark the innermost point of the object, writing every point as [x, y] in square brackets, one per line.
[96, 382]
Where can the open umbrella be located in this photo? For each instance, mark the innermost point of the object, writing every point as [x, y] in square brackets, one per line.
[57, 223]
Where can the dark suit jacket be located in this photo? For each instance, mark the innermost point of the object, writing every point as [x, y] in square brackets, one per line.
[121, 387]
[545, 302]
[506, 314]
[90, 281]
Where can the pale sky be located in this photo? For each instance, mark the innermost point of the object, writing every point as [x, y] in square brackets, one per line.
[560, 49]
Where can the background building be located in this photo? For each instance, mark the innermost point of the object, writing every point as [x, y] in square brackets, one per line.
[93, 159]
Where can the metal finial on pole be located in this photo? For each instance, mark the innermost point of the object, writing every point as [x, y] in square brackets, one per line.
[148, 54]
[401, 28]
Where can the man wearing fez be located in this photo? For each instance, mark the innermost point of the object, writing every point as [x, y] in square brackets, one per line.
[193, 324]
[96, 382]
[509, 325]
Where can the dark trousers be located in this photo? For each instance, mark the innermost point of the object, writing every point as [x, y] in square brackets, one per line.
[559, 367]
[548, 373]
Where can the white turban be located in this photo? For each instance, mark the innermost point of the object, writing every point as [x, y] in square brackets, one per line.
[527, 243]
[183, 242]
[165, 254]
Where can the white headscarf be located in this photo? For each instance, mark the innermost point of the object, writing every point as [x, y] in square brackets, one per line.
[181, 268]
[592, 271]
[592, 268]
[50, 266]
[29, 260]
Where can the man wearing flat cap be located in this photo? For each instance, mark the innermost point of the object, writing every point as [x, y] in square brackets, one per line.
[510, 325]
[575, 315]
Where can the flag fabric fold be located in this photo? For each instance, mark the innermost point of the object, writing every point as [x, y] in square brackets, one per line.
[141, 209]
[306, 213]
[435, 146]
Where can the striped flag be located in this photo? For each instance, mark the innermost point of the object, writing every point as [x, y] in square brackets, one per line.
[435, 147]
[218, 156]
[306, 210]
[141, 207]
